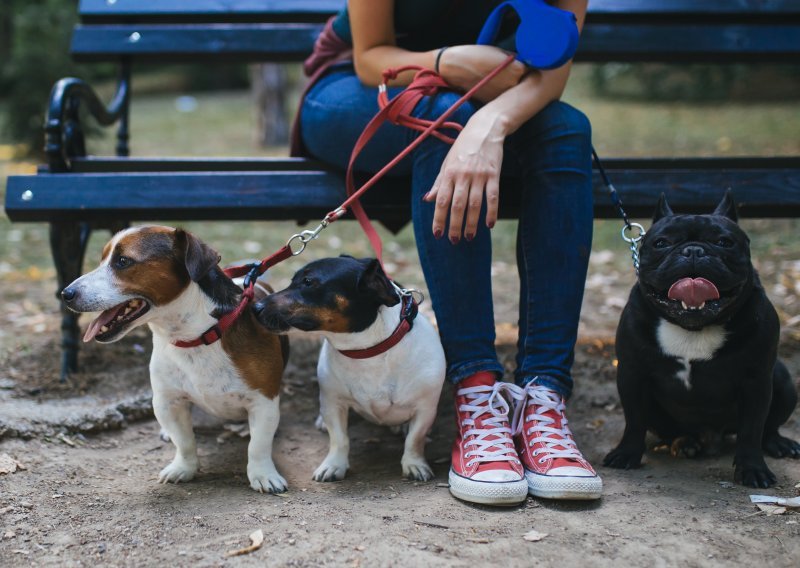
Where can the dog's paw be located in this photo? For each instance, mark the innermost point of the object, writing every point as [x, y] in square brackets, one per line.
[777, 446]
[179, 470]
[266, 479]
[753, 473]
[319, 424]
[686, 446]
[417, 470]
[331, 470]
[622, 458]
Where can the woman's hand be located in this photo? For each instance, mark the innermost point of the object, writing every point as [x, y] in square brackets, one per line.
[470, 170]
[463, 66]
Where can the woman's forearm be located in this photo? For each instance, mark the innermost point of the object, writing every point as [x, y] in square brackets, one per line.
[371, 63]
[513, 108]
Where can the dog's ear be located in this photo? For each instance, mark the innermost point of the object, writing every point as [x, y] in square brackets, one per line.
[662, 209]
[198, 256]
[373, 280]
[727, 207]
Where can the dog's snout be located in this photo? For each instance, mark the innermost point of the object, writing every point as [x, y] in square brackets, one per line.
[693, 250]
[68, 294]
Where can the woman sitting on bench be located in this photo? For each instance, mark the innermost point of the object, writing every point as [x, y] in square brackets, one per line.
[516, 125]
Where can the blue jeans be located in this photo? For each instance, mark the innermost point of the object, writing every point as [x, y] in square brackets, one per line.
[551, 154]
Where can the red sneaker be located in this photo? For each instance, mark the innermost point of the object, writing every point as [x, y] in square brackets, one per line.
[554, 466]
[485, 466]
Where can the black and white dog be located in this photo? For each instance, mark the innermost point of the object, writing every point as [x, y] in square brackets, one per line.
[376, 358]
[697, 348]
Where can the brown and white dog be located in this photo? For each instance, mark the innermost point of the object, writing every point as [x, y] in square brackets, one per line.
[170, 280]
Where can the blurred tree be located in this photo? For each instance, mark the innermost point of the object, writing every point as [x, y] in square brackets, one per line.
[269, 85]
[35, 44]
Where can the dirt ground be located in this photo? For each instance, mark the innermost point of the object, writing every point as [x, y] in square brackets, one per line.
[93, 499]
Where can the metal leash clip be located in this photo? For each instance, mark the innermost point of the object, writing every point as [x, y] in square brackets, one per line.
[633, 241]
[406, 292]
[307, 236]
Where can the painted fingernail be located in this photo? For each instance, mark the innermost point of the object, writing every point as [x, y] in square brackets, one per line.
[490, 224]
[425, 197]
[437, 233]
[469, 236]
[455, 240]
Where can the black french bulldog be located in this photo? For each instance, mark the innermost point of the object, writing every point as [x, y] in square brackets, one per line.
[697, 348]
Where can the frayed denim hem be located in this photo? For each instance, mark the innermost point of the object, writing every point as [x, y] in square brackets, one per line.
[458, 374]
[552, 383]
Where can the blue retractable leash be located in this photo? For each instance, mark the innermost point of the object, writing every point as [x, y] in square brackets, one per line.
[546, 38]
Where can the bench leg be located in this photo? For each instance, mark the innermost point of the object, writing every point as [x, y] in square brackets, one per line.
[68, 245]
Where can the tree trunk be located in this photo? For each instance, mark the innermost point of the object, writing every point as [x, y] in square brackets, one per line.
[269, 85]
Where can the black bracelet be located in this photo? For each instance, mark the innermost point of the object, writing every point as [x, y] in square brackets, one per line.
[438, 59]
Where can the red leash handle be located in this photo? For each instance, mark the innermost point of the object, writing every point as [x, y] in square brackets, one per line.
[425, 83]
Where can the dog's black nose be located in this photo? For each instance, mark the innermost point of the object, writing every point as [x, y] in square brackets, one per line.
[68, 294]
[693, 250]
[258, 308]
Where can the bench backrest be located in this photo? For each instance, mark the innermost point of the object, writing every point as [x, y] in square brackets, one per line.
[721, 31]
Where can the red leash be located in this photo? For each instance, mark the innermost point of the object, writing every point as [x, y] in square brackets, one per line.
[397, 111]
[252, 272]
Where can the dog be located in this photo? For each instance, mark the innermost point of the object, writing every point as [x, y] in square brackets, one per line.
[697, 348]
[169, 279]
[352, 304]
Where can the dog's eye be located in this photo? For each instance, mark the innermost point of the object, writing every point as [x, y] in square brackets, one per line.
[661, 243]
[725, 242]
[122, 262]
[307, 281]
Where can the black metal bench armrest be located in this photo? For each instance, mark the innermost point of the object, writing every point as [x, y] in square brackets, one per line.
[64, 138]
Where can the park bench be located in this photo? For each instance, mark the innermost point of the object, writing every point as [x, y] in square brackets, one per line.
[77, 193]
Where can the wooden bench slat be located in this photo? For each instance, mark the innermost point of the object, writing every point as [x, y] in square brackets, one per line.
[111, 164]
[310, 194]
[184, 42]
[307, 10]
[323, 8]
[292, 42]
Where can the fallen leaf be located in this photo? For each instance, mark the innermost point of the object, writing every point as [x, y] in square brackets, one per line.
[256, 540]
[9, 464]
[534, 536]
[771, 509]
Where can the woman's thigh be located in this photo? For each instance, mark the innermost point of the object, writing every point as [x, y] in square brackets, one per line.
[334, 115]
[337, 109]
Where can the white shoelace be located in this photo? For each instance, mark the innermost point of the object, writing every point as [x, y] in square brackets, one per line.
[482, 399]
[558, 442]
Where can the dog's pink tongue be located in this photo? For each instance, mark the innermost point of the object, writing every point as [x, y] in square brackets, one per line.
[100, 321]
[693, 292]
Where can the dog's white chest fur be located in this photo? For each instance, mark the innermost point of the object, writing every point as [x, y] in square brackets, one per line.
[688, 346]
[386, 389]
[206, 376]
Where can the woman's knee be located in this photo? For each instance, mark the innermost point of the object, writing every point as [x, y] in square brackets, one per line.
[431, 108]
[559, 119]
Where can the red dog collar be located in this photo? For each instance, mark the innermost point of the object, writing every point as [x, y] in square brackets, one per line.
[407, 315]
